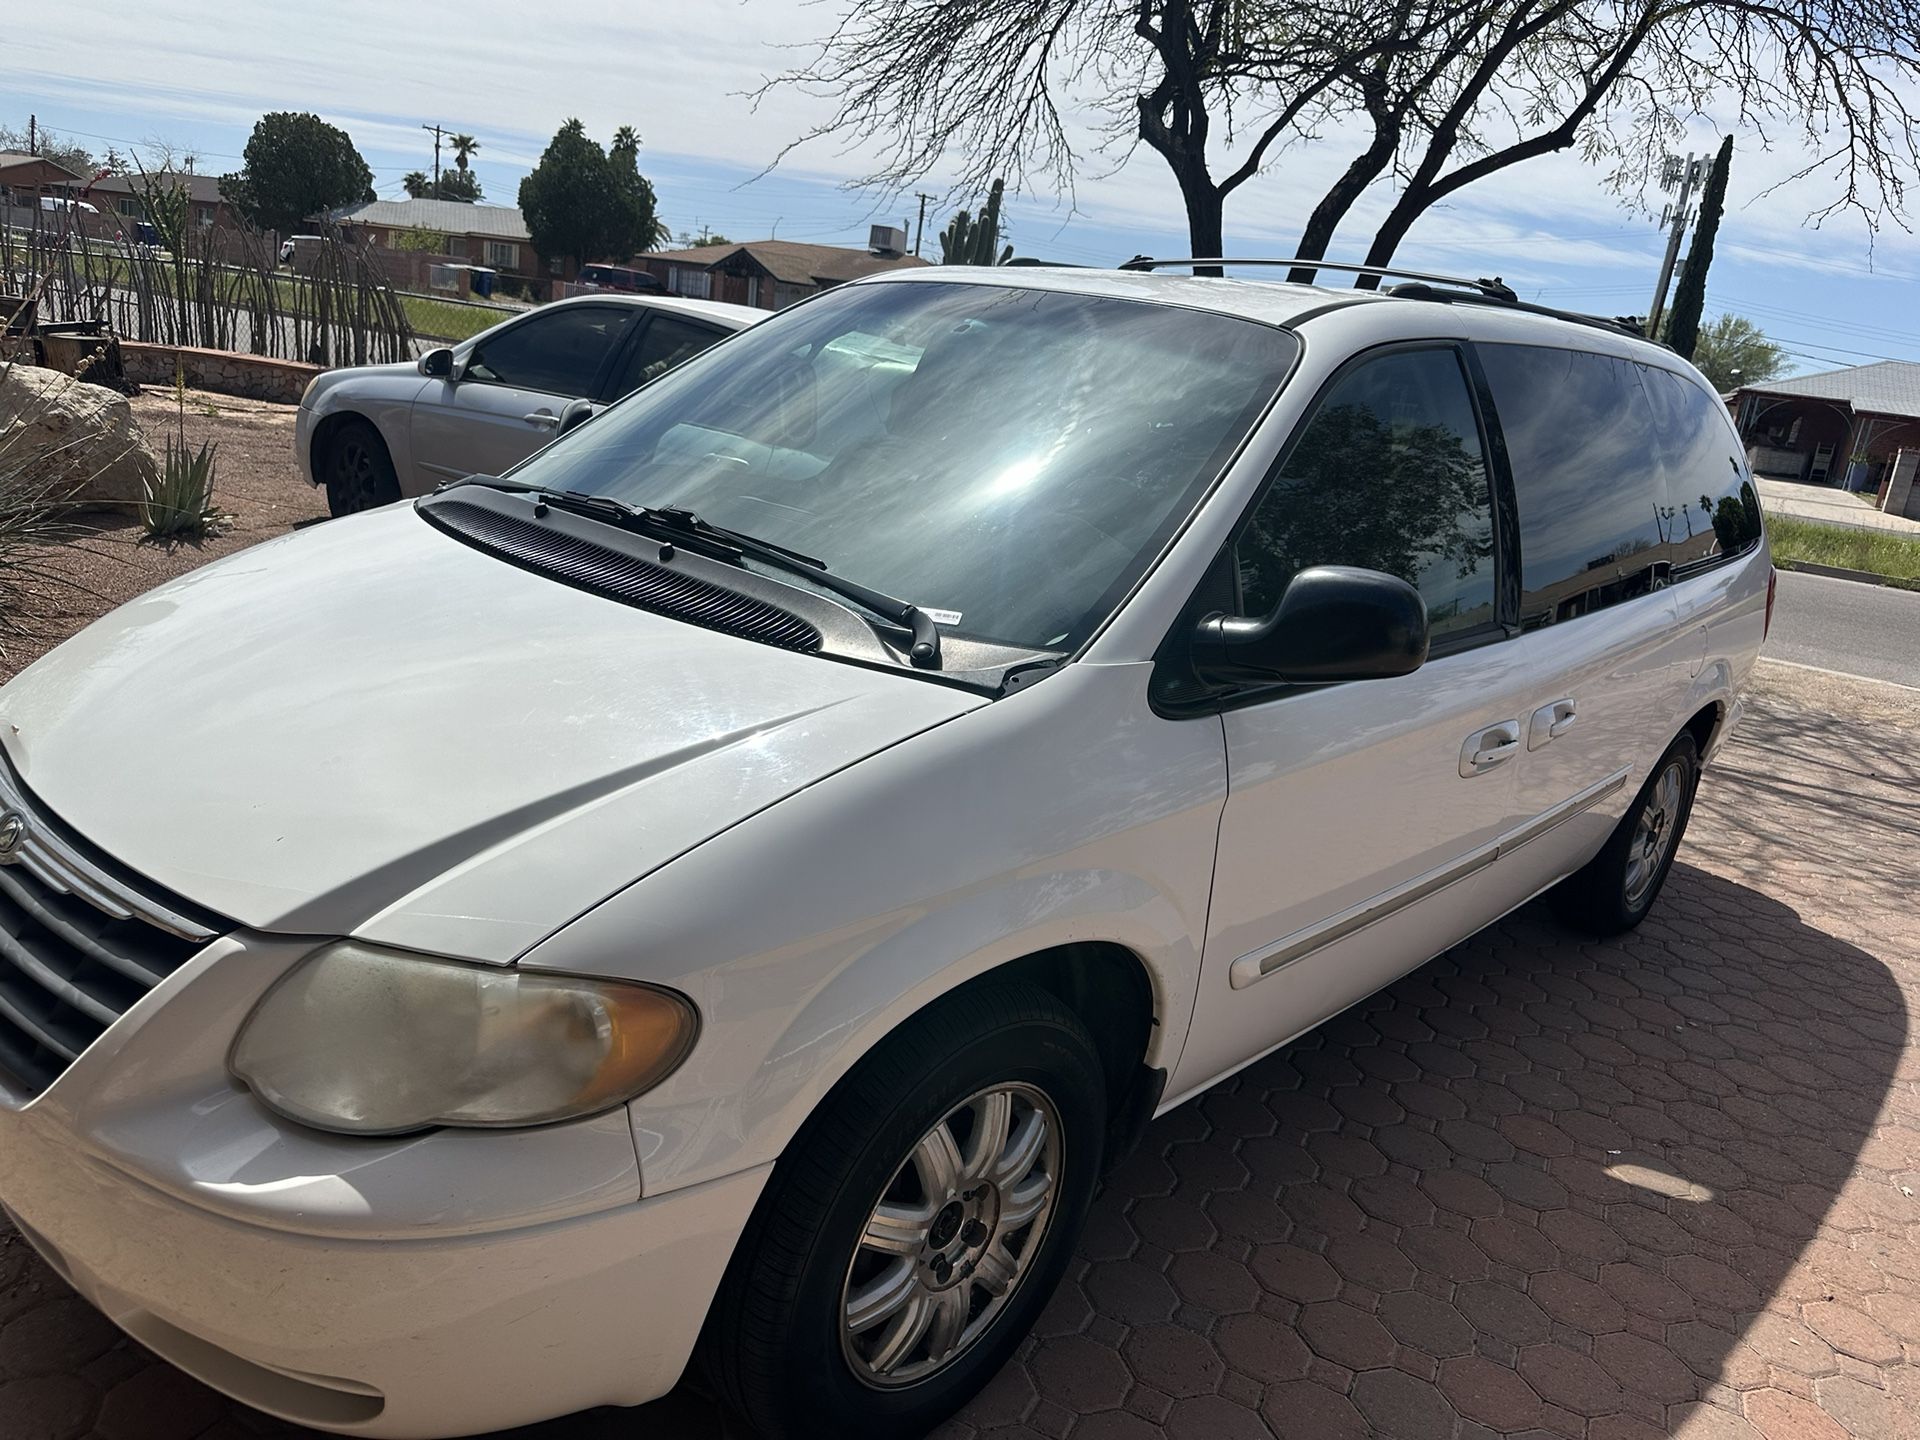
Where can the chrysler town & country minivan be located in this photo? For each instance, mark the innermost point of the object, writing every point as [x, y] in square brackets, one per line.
[724, 891]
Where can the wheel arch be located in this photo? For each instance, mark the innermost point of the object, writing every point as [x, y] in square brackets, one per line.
[330, 425]
[1111, 990]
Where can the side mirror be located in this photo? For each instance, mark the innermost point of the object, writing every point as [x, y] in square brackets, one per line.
[437, 364]
[576, 414]
[1334, 622]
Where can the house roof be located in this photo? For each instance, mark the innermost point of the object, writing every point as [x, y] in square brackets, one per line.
[1888, 387]
[21, 160]
[201, 189]
[451, 217]
[793, 261]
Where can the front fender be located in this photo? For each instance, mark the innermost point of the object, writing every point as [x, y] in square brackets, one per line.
[381, 395]
[808, 933]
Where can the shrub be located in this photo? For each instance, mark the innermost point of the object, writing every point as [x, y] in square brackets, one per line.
[179, 505]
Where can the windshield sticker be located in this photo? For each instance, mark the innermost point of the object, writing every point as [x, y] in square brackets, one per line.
[941, 617]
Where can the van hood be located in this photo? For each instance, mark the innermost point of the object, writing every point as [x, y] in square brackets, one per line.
[372, 729]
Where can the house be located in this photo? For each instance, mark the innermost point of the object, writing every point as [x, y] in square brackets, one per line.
[772, 273]
[491, 235]
[118, 196]
[25, 177]
[1840, 427]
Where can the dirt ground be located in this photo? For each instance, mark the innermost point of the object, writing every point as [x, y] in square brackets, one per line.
[107, 562]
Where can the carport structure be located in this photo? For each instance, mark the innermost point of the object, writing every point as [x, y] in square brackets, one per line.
[1840, 427]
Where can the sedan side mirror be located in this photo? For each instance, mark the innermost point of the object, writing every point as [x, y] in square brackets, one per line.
[437, 364]
[575, 414]
[1334, 622]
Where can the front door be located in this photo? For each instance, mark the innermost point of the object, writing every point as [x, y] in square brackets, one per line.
[507, 399]
[1360, 817]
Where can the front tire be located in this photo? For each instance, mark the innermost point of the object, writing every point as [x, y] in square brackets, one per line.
[358, 470]
[917, 1224]
[1614, 891]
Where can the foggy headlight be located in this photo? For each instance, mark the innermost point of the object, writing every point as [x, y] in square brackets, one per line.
[375, 1042]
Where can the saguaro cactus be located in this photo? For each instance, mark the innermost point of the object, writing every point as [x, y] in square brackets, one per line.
[976, 241]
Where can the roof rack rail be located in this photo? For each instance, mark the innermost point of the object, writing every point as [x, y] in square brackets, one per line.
[1458, 289]
[1494, 289]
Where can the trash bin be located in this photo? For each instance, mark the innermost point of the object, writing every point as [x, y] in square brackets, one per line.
[482, 280]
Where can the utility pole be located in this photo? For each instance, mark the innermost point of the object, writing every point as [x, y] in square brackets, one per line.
[33, 140]
[920, 228]
[437, 131]
[1683, 171]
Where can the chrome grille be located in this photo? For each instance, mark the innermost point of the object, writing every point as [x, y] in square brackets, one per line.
[80, 941]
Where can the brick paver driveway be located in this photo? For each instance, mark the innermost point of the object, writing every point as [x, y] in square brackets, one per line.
[1664, 1185]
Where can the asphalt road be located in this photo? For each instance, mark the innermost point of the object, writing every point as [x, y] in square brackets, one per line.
[1846, 626]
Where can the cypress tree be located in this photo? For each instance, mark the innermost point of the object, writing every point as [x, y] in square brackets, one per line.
[1690, 296]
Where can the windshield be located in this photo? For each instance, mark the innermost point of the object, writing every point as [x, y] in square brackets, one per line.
[1010, 460]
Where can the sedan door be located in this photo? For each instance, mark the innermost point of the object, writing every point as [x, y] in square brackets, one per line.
[666, 341]
[506, 398]
[1360, 817]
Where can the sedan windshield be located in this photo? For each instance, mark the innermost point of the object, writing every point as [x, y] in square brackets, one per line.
[1010, 460]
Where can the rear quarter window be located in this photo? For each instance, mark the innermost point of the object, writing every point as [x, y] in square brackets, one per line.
[1711, 510]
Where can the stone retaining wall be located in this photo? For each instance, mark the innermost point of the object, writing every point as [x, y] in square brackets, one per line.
[225, 372]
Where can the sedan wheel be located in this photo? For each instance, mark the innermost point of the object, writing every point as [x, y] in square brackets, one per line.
[359, 472]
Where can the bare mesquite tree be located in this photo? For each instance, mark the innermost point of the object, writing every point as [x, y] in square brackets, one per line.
[1434, 95]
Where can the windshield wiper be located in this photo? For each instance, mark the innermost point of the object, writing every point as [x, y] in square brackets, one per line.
[924, 651]
[717, 542]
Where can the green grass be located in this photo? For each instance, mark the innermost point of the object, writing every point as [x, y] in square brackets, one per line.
[433, 319]
[1877, 551]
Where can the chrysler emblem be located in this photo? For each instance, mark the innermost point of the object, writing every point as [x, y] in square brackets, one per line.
[13, 829]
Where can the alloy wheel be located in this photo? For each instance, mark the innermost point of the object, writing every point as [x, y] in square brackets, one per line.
[1654, 832]
[952, 1236]
[354, 474]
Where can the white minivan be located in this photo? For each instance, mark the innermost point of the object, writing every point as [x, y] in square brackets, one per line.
[726, 890]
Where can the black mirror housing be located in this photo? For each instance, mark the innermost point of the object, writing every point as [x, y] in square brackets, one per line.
[437, 364]
[576, 414]
[1333, 623]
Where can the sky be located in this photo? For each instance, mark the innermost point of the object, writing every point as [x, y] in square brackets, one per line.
[136, 74]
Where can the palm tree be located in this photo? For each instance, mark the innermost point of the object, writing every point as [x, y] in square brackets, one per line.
[416, 184]
[626, 138]
[463, 148]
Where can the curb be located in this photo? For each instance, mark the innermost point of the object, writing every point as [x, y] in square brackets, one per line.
[1836, 572]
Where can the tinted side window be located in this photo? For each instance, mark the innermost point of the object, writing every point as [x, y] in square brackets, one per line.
[1711, 507]
[560, 351]
[1586, 479]
[1388, 475]
[666, 342]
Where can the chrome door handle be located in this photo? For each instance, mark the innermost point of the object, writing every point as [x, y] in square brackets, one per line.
[1487, 748]
[1550, 722]
[545, 419]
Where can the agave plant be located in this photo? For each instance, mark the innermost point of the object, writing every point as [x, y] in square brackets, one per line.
[179, 505]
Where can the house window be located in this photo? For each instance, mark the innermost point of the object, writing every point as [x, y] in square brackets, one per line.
[128, 206]
[204, 214]
[684, 280]
[503, 256]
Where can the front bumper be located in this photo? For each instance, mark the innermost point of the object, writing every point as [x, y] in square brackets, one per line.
[439, 1284]
[304, 421]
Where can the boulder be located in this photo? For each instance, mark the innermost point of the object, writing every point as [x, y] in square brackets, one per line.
[74, 443]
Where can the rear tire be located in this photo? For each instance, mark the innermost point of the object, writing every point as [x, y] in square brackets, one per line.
[898, 1256]
[1614, 891]
[357, 470]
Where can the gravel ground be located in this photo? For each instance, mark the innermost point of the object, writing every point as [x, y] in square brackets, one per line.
[256, 482]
